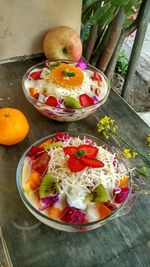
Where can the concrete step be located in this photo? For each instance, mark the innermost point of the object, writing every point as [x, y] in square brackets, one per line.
[145, 116]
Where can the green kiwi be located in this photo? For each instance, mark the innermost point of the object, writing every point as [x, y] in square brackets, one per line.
[99, 194]
[71, 102]
[53, 145]
[48, 186]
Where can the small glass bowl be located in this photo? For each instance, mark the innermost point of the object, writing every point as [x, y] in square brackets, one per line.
[123, 208]
[64, 114]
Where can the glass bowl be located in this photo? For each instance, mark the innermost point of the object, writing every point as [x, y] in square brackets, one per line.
[123, 208]
[61, 113]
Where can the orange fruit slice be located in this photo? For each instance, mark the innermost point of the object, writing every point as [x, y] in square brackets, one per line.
[14, 126]
[47, 142]
[103, 210]
[34, 180]
[123, 181]
[67, 76]
[54, 212]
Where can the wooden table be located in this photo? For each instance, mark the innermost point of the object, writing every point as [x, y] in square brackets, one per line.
[25, 242]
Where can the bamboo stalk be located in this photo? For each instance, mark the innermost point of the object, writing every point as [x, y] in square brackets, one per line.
[91, 42]
[117, 25]
[112, 63]
[143, 20]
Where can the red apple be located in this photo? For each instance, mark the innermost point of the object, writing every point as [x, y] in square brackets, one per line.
[62, 42]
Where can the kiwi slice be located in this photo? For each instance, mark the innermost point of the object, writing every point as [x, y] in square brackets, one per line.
[100, 194]
[48, 186]
[71, 102]
[53, 145]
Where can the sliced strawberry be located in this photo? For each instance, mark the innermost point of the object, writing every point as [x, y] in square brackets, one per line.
[35, 75]
[85, 100]
[97, 77]
[70, 150]
[51, 101]
[93, 163]
[75, 165]
[90, 151]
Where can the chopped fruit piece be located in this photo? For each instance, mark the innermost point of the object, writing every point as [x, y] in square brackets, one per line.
[54, 213]
[121, 194]
[103, 210]
[70, 150]
[34, 180]
[48, 141]
[35, 152]
[48, 202]
[75, 165]
[53, 145]
[100, 194]
[85, 100]
[123, 181]
[51, 101]
[82, 150]
[110, 205]
[99, 83]
[61, 136]
[33, 91]
[41, 163]
[97, 76]
[72, 216]
[90, 151]
[93, 163]
[35, 75]
[71, 102]
[48, 186]
[67, 76]
[36, 96]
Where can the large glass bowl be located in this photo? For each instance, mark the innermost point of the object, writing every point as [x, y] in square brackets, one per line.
[123, 208]
[64, 114]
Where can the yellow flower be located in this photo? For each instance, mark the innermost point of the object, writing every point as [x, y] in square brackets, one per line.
[128, 153]
[134, 154]
[148, 140]
[106, 125]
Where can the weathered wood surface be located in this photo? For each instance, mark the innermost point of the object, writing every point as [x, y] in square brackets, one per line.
[124, 242]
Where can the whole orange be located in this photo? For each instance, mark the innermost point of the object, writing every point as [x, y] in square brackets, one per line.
[13, 126]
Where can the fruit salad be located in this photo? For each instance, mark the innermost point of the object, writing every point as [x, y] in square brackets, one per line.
[74, 180]
[66, 85]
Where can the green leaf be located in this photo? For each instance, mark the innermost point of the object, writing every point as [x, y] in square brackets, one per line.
[143, 170]
[119, 3]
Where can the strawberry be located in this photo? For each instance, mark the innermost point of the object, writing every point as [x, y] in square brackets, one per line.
[35, 75]
[51, 101]
[75, 165]
[70, 150]
[93, 163]
[97, 77]
[85, 100]
[90, 151]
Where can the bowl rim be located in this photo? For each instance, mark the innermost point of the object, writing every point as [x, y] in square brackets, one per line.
[25, 199]
[32, 99]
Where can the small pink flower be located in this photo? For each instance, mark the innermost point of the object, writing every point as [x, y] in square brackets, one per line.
[47, 202]
[81, 65]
